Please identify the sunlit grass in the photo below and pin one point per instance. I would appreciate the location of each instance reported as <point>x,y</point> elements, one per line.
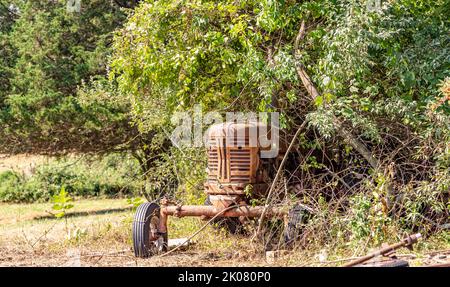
<point>104,226</point>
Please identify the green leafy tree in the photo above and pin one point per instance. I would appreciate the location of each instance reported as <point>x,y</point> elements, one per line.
<point>377,71</point>
<point>8,16</point>
<point>53,55</point>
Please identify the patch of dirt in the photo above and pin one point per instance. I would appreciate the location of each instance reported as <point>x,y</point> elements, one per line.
<point>21,163</point>
<point>76,257</point>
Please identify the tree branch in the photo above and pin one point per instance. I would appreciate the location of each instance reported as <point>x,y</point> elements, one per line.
<point>314,93</point>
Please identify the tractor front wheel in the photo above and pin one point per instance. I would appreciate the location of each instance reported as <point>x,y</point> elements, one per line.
<point>147,241</point>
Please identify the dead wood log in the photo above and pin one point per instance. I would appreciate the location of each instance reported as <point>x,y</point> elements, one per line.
<point>314,93</point>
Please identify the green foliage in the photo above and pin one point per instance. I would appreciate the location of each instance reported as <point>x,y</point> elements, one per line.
<point>62,202</point>
<point>368,219</point>
<point>370,64</point>
<point>176,174</point>
<point>427,206</point>
<point>359,222</point>
<point>114,175</point>
<point>47,53</point>
<point>383,73</point>
<point>385,63</point>
<point>135,202</point>
<point>173,54</point>
<point>378,71</point>
<point>8,188</point>
<point>7,53</point>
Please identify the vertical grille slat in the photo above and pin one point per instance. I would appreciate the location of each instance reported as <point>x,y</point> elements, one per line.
<point>231,159</point>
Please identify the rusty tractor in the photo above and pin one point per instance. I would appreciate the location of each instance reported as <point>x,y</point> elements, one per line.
<point>237,173</point>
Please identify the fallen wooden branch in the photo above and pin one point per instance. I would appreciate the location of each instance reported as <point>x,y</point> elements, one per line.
<point>406,242</point>
<point>439,265</point>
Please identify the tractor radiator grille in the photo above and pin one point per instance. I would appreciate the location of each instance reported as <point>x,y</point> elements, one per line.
<point>230,165</point>
<point>213,164</point>
<point>240,162</point>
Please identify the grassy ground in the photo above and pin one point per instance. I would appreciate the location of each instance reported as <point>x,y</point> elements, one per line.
<point>97,233</point>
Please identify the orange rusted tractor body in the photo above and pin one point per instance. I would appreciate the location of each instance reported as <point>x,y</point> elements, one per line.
<point>235,167</point>
<point>236,174</point>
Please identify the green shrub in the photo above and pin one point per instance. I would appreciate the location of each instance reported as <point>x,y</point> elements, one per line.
<point>9,185</point>
<point>82,177</point>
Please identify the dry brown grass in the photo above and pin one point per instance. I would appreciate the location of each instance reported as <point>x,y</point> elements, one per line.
<point>98,233</point>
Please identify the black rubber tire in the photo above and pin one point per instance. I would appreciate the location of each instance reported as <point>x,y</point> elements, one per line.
<point>231,224</point>
<point>396,263</point>
<point>297,216</point>
<point>142,245</point>
<point>389,263</point>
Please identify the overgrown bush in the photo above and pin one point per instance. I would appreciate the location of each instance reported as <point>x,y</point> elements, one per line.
<point>9,181</point>
<point>381,74</point>
<point>113,175</point>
